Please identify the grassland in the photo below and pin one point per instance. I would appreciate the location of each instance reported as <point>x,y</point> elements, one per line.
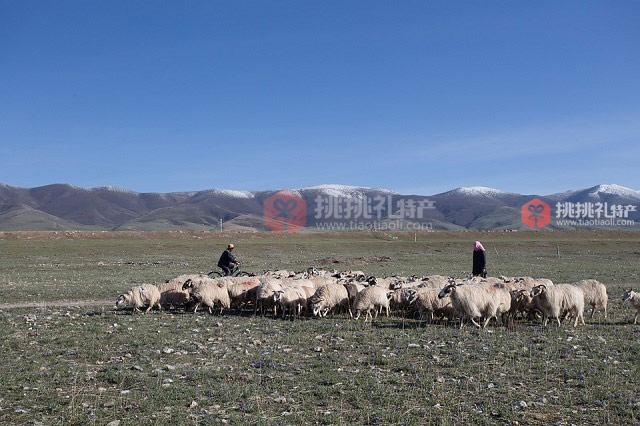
<point>93,365</point>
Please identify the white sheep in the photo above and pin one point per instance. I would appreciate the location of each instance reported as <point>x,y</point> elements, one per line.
<point>390,283</point>
<point>242,290</point>
<point>595,295</point>
<point>291,300</point>
<point>435,281</point>
<point>357,275</point>
<point>521,303</point>
<point>329,297</point>
<point>477,301</point>
<point>208,292</point>
<point>353,288</point>
<point>400,299</point>
<point>557,300</point>
<point>264,294</point>
<point>633,298</point>
<point>320,272</point>
<point>171,293</point>
<point>140,296</point>
<point>280,273</point>
<point>371,299</point>
<point>426,300</point>
<point>319,281</point>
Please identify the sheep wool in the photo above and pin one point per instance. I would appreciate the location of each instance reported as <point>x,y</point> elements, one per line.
<point>595,295</point>
<point>370,299</point>
<point>329,297</point>
<point>140,296</point>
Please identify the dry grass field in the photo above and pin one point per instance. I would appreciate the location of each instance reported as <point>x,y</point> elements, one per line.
<point>69,358</point>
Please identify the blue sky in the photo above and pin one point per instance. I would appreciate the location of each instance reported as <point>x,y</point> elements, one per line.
<point>415,96</point>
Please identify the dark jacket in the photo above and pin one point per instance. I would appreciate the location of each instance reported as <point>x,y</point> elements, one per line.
<point>479,262</point>
<point>226,259</point>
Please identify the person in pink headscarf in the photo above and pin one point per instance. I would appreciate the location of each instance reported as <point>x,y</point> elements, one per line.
<point>479,260</point>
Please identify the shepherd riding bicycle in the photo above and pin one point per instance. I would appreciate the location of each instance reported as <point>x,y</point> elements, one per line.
<point>229,265</point>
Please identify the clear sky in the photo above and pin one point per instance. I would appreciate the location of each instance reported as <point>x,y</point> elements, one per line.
<point>415,96</point>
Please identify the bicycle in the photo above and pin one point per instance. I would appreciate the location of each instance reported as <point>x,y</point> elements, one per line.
<point>235,272</point>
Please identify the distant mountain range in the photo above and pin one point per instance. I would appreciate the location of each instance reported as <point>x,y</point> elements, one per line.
<point>67,207</point>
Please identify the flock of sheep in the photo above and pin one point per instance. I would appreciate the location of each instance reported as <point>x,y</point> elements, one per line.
<point>319,293</point>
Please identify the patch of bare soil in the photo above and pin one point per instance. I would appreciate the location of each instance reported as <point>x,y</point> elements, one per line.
<point>56,304</point>
<point>361,259</point>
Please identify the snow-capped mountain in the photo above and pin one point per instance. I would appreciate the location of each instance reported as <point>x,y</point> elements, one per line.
<point>346,191</point>
<point>62,206</point>
<point>603,192</point>
<point>477,191</point>
<point>613,189</point>
<point>232,193</point>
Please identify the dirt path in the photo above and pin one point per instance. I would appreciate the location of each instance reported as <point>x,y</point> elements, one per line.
<point>56,304</point>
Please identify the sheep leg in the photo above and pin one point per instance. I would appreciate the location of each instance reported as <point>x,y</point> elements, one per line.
<point>149,308</point>
<point>195,308</point>
<point>461,322</point>
<point>387,311</point>
<point>635,319</point>
<point>593,310</point>
<point>559,322</point>
<point>487,322</point>
<point>210,310</point>
<point>357,315</point>
<point>474,322</point>
<point>350,312</point>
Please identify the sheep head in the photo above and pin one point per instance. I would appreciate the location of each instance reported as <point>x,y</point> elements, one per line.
<point>396,285</point>
<point>538,290</point>
<point>412,296</point>
<point>188,284</point>
<point>315,309</point>
<point>372,280</point>
<point>277,296</point>
<point>123,299</point>
<point>343,281</point>
<point>521,296</point>
<point>447,290</point>
<point>628,295</point>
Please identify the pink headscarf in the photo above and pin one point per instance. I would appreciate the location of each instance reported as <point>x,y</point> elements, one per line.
<point>478,246</point>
